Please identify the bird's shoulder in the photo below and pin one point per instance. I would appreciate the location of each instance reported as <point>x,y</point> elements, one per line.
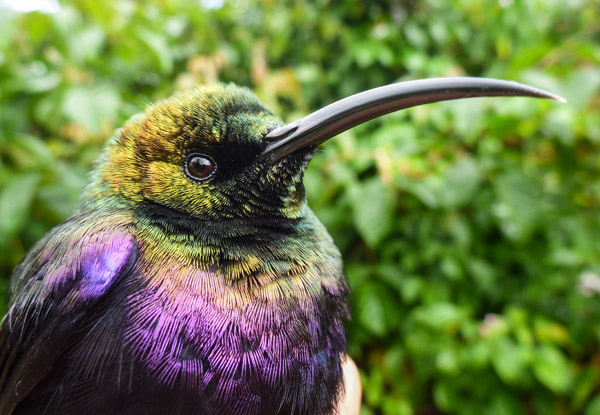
<point>82,256</point>
<point>53,288</point>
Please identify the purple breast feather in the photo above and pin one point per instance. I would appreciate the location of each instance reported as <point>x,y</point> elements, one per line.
<point>187,335</point>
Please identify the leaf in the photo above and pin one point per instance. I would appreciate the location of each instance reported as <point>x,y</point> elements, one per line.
<point>373,207</point>
<point>444,395</point>
<point>15,201</point>
<point>550,331</point>
<point>510,360</point>
<point>159,48</point>
<point>552,369</point>
<point>397,406</point>
<point>375,308</point>
<point>594,407</point>
<point>460,183</point>
<point>447,361</point>
<point>469,117</point>
<point>374,387</point>
<point>91,106</point>
<point>581,87</point>
<point>427,191</point>
<point>587,382</point>
<point>86,43</point>
<point>41,83</point>
<point>503,403</point>
<point>440,316</point>
<point>520,207</point>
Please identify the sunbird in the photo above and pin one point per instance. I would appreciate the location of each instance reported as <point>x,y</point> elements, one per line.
<point>193,278</point>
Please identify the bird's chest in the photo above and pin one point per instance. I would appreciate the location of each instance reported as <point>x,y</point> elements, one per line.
<point>247,345</point>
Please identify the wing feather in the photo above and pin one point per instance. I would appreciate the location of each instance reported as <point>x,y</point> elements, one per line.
<point>54,287</point>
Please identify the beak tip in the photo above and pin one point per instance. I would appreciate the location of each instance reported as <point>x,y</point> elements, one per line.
<point>559,99</point>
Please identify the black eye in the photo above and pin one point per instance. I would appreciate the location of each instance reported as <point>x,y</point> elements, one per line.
<point>200,166</point>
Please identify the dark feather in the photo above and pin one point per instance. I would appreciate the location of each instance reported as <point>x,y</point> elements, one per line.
<point>55,287</point>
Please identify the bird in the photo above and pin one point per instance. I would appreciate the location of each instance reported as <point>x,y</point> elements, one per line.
<point>193,278</point>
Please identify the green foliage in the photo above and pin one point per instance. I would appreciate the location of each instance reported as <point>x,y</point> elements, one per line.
<point>470,229</point>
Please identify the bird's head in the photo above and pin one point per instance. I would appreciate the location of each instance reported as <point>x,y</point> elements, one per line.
<point>218,153</point>
<point>199,153</point>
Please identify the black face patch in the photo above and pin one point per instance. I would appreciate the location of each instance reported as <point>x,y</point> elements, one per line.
<point>230,160</point>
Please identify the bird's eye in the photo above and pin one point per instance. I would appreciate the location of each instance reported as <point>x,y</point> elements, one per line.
<point>200,166</point>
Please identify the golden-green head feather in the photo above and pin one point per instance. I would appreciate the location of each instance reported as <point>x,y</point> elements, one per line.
<point>147,160</point>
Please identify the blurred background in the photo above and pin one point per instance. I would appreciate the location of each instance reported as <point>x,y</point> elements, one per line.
<point>470,229</point>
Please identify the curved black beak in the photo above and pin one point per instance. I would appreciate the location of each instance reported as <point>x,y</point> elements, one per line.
<point>346,113</point>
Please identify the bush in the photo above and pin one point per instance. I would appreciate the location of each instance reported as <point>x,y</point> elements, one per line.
<point>473,239</point>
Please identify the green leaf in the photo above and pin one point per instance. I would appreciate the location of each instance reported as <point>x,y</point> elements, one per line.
<point>581,87</point>
<point>428,191</point>
<point>503,403</point>
<point>374,387</point>
<point>594,407</point>
<point>158,46</point>
<point>91,106</point>
<point>375,308</point>
<point>373,208</point>
<point>444,395</point>
<point>397,406</point>
<point>587,382</point>
<point>510,360</point>
<point>440,316</point>
<point>15,201</point>
<point>460,183</point>
<point>447,361</point>
<point>86,43</point>
<point>552,369</point>
<point>520,207</point>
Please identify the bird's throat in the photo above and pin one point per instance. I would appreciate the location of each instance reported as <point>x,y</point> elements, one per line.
<point>248,252</point>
